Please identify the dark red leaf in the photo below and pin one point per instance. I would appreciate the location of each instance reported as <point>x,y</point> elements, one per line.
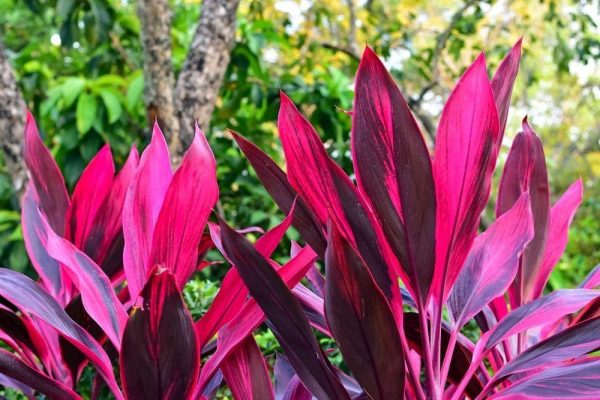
<point>287,320</point>
<point>276,183</point>
<point>160,355</point>
<point>362,322</point>
<point>393,169</point>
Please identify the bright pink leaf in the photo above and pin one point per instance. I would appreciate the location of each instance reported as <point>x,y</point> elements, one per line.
<point>462,168</point>
<point>193,190</point>
<point>105,237</point>
<point>329,192</point>
<point>98,296</point>
<point>89,194</point>
<point>142,206</point>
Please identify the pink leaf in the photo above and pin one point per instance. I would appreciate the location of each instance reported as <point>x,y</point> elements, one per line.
<point>502,85</point>
<point>561,216</point>
<point>188,202</point>
<point>46,177</point>
<point>142,205</point>
<point>105,236</point>
<point>462,167</point>
<point>525,170</point>
<point>329,192</point>
<point>97,293</point>
<point>90,192</point>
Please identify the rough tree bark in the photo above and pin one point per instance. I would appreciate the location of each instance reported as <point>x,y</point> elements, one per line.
<point>202,76</point>
<point>12,121</point>
<point>159,79</point>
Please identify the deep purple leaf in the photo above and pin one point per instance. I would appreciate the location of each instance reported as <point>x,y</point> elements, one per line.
<point>362,322</point>
<point>276,183</point>
<point>287,321</point>
<point>16,369</point>
<point>492,262</point>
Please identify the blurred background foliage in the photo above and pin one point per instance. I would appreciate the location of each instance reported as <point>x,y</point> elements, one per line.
<point>78,64</point>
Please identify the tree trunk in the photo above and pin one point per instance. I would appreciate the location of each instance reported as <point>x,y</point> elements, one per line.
<point>202,75</point>
<point>12,124</point>
<point>159,80</point>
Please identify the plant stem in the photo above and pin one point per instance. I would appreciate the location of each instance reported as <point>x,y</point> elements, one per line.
<point>448,356</point>
<point>413,372</point>
<point>428,360</point>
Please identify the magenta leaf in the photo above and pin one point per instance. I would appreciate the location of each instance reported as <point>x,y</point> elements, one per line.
<point>31,298</point>
<point>569,382</point>
<point>188,203</point>
<point>393,169</point>
<point>89,194</point>
<point>160,358</point>
<point>142,205</point>
<point>492,262</point>
<point>502,85</point>
<point>525,170</point>
<point>286,319</point>
<point>276,183</point>
<point>462,168</point>
<point>46,177</point>
<point>561,216</point>
<point>105,238</point>
<point>362,322</point>
<point>329,192</point>
<point>246,372</point>
<point>14,368</point>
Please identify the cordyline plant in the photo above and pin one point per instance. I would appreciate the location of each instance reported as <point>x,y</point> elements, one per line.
<point>405,266</point>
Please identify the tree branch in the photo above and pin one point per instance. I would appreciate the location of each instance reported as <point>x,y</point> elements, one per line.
<point>198,84</point>
<point>159,80</point>
<point>12,123</point>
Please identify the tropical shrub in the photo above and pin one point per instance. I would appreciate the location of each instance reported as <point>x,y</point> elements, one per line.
<point>406,268</point>
<point>415,218</point>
